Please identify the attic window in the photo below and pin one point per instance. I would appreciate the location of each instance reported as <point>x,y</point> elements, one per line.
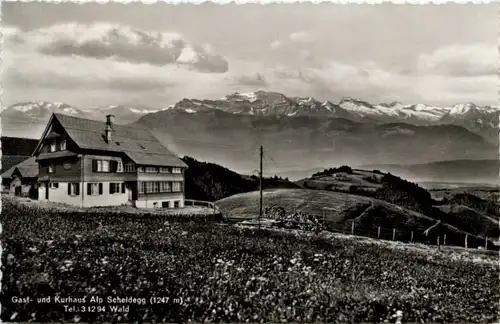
<point>142,146</point>
<point>117,143</point>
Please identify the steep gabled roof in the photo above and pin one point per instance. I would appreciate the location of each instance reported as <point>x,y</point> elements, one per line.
<point>8,161</point>
<point>28,169</point>
<point>136,142</point>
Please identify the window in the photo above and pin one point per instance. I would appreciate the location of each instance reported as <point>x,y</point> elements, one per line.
<point>176,170</point>
<point>119,166</point>
<point>101,165</point>
<point>165,170</point>
<point>140,169</point>
<point>67,166</point>
<point>151,169</point>
<point>52,168</point>
<point>53,185</point>
<point>73,189</point>
<point>52,146</point>
<point>114,188</point>
<point>155,204</point>
<point>165,186</point>
<point>129,167</point>
<point>94,189</point>
<point>176,204</point>
<point>162,186</point>
<point>176,186</point>
<point>63,144</point>
<point>165,204</point>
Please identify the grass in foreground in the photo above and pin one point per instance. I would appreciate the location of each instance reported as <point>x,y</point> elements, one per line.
<point>223,273</point>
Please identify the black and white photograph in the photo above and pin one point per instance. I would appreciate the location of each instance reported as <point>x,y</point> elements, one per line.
<point>249,163</point>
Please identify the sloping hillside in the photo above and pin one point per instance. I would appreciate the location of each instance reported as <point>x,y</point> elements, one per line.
<point>374,184</point>
<point>340,209</point>
<point>479,218</point>
<point>478,222</point>
<point>209,181</point>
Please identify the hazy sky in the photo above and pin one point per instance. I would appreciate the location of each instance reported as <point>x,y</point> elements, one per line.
<point>155,55</point>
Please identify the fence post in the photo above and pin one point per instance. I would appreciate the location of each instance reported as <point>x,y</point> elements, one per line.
<point>411,239</point>
<point>393,234</point>
<point>466,237</point>
<point>378,232</point>
<point>438,242</point>
<point>352,228</point>
<point>444,239</point>
<point>486,243</point>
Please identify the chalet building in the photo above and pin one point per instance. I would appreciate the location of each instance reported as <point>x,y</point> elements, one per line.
<point>21,179</point>
<point>89,163</point>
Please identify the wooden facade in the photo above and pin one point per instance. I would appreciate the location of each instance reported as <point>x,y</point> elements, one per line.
<point>88,177</point>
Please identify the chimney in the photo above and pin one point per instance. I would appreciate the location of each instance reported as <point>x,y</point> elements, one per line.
<point>109,127</point>
<point>110,119</point>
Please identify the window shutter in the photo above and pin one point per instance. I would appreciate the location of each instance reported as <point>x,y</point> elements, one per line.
<point>69,189</point>
<point>100,188</point>
<point>77,189</point>
<point>110,188</point>
<point>94,165</point>
<point>123,187</point>
<point>89,189</point>
<point>113,166</point>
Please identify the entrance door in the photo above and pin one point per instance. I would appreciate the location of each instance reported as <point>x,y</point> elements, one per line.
<point>47,190</point>
<point>132,185</point>
<point>176,204</point>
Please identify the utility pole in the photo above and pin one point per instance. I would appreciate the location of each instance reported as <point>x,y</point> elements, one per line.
<point>260,183</point>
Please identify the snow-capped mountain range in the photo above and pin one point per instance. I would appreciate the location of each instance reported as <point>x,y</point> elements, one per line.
<point>480,119</point>
<point>271,103</point>
<point>41,111</point>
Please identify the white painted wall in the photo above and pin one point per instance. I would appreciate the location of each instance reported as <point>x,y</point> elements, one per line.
<point>106,199</point>
<point>16,182</point>
<point>41,191</point>
<point>149,203</point>
<point>60,195</point>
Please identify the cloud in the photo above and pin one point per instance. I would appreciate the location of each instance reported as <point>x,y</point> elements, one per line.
<point>253,80</point>
<point>91,77</point>
<point>122,44</point>
<point>276,44</point>
<point>292,40</point>
<point>461,60</point>
<point>301,37</point>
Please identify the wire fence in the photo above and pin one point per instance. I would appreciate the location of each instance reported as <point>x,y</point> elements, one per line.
<point>436,235</point>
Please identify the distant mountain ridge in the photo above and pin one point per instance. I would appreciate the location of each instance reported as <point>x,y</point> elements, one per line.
<point>482,120</point>
<point>299,133</point>
<point>305,142</point>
